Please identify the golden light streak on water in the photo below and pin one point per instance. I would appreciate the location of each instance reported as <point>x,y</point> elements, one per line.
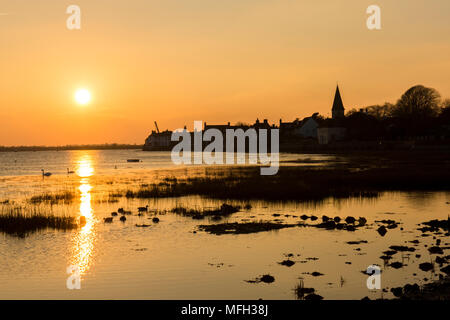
<point>84,240</point>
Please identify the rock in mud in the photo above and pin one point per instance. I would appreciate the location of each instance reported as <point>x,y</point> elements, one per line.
<point>402,248</point>
<point>441,260</point>
<point>397,292</point>
<point>350,220</point>
<point>287,263</point>
<point>446,270</point>
<point>313,296</point>
<point>435,250</point>
<point>382,231</point>
<point>267,278</point>
<point>426,266</point>
<point>396,265</point>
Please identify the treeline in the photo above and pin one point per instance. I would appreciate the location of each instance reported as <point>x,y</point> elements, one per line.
<point>106,146</point>
<point>420,112</point>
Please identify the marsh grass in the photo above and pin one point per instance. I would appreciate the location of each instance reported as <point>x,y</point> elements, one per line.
<point>244,228</point>
<point>359,179</point>
<point>300,290</point>
<point>53,198</point>
<point>223,211</point>
<point>20,221</point>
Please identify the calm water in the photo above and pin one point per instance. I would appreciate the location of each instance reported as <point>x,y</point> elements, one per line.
<point>169,261</point>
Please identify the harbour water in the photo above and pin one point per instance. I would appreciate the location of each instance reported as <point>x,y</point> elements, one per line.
<point>173,259</point>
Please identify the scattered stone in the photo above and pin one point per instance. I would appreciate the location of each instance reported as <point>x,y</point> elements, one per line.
<point>267,278</point>
<point>357,242</point>
<point>313,296</point>
<point>426,266</point>
<point>362,221</point>
<point>287,263</point>
<point>396,265</point>
<point>108,220</point>
<point>390,252</point>
<point>316,274</point>
<point>435,250</point>
<point>402,248</point>
<point>446,270</point>
<point>397,292</point>
<point>382,231</point>
<point>441,260</point>
<point>350,220</point>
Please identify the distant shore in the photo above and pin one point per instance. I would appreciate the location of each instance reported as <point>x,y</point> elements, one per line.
<point>113,146</point>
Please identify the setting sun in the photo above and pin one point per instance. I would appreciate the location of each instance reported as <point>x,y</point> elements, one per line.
<point>82,96</point>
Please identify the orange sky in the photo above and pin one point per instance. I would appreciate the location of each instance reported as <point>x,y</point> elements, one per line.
<point>176,61</point>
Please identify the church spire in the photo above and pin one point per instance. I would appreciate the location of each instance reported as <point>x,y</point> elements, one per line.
<point>338,107</point>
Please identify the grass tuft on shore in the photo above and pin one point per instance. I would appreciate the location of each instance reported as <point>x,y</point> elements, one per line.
<point>17,222</point>
<point>53,198</point>
<point>223,211</point>
<point>244,228</point>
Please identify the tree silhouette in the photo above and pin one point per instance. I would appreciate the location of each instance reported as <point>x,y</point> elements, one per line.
<point>417,103</point>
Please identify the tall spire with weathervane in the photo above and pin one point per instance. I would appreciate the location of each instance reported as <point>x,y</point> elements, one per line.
<point>338,107</point>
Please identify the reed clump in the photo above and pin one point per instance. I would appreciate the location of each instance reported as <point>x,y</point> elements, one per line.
<point>217,213</point>
<point>53,198</point>
<point>21,222</point>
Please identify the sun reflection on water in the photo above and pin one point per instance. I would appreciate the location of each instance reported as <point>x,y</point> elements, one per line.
<point>83,241</point>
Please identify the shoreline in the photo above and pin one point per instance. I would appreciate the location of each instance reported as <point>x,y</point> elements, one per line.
<point>112,146</point>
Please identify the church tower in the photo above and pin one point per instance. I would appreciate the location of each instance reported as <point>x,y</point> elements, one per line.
<point>338,107</point>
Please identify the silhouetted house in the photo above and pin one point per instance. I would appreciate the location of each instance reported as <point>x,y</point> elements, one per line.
<point>363,127</point>
<point>262,125</point>
<point>338,109</point>
<point>158,141</point>
<point>221,127</point>
<point>306,128</point>
<point>329,134</point>
<point>288,129</point>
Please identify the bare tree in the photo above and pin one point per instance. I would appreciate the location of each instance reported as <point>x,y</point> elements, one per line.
<point>417,103</point>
